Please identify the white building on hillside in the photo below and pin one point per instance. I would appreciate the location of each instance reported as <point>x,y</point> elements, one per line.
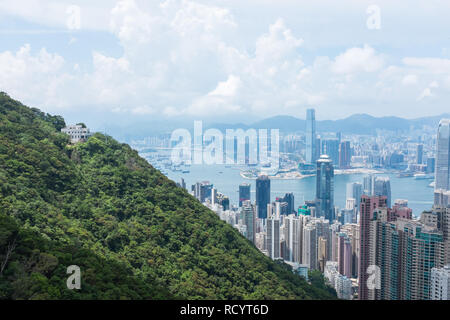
<point>77,133</point>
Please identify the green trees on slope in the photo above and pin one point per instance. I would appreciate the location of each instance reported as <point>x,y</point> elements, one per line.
<point>99,199</point>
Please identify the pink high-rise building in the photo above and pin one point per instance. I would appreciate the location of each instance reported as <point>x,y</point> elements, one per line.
<point>367,206</point>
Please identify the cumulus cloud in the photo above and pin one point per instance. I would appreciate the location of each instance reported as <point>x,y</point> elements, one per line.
<point>409,79</point>
<point>187,58</point>
<point>354,60</point>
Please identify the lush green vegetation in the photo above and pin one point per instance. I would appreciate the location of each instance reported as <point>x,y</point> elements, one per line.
<point>130,229</point>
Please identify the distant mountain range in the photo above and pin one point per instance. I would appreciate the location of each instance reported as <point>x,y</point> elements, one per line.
<point>356,124</point>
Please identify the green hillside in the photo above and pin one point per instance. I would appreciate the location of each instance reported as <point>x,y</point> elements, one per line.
<point>133,232</point>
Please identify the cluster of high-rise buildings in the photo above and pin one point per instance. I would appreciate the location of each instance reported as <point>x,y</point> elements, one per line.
<point>373,249</point>
<point>337,150</point>
<point>442,175</point>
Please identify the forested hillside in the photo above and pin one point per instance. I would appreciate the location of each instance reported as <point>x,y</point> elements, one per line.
<point>132,231</point>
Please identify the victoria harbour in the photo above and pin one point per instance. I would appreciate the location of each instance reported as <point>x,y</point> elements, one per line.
<point>227,179</point>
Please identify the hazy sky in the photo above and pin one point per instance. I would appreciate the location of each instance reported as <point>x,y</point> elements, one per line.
<point>227,60</point>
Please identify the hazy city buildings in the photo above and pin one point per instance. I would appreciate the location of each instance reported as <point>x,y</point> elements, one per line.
<point>345,155</point>
<point>354,191</point>
<point>382,187</point>
<point>419,153</point>
<point>330,147</point>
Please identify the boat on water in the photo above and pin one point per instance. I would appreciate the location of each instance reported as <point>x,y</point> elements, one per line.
<point>423,176</point>
<point>405,175</point>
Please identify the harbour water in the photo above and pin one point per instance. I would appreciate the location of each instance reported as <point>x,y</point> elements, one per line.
<point>227,179</point>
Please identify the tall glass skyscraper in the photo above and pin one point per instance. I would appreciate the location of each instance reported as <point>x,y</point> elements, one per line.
<point>244,193</point>
<point>310,136</point>
<point>325,188</point>
<point>262,195</point>
<point>443,156</point>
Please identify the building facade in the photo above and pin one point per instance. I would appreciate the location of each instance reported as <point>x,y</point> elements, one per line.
<point>325,188</point>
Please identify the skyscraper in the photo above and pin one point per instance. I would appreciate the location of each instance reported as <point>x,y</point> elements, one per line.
<point>293,235</point>
<point>443,156</point>
<point>289,200</point>
<point>262,195</point>
<point>431,164</point>
<point>355,191</point>
<point>368,185</point>
<point>309,251</point>
<point>367,207</point>
<point>382,187</point>
<point>248,216</point>
<point>330,147</point>
<point>310,136</point>
<point>273,238</point>
<point>344,255</point>
<point>419,154</point>
<point>244,193</point>
<point>325,188</point>
<point>345,154</point>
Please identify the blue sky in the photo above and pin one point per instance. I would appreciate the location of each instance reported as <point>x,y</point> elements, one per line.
<point>226,60</point>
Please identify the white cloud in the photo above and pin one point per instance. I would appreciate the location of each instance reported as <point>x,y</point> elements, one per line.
<point>410,79</point>
<point>358,60</point>
<point>434,65</point>
<point>426,93</point>
<point>143,110</point>
<point>227,88</point>
<point>203,59</point>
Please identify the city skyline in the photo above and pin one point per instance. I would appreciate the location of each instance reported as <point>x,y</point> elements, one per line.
<point>224,150</point>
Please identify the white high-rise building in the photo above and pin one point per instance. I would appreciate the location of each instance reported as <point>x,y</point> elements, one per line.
<point>293,236</point>
<point>311,136</point>
<point>248,217</point>
<point>273,238</point>
<point>442,174</point>
<point>309,250</point>
<point>440,283</point>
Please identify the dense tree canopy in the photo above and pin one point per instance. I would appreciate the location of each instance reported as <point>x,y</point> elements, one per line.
<point>131,230</point>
